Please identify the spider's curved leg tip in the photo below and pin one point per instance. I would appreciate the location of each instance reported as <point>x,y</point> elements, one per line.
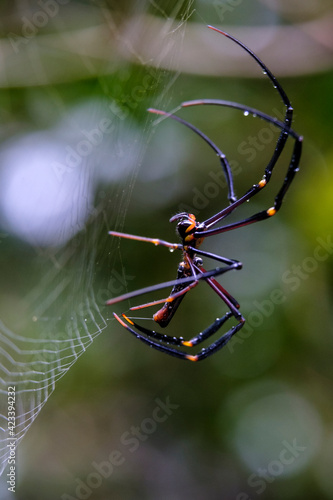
<point>217,29</point>
<point>127,319</point>
<point>121,321</point>
<point>156,111</point>
<point>189,357</point>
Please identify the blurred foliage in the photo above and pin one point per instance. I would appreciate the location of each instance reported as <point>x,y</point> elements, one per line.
<point>237,415</point>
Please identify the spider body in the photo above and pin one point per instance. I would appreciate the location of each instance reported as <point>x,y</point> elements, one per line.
<point>186,227</point>
<point>164,315</point>
<point>192,233</point>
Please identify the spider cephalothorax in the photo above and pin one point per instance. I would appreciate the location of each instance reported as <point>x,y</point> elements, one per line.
<point>192,233</point>
<point>188,228</point>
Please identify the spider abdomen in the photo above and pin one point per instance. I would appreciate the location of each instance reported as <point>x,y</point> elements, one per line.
<point>164,315</point>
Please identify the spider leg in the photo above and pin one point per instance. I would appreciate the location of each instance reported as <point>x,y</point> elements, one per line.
<point>189,279</point>
<point>223,159</point>
<point>155,241</point>
<point>169,299</point>
<point>263,66</point>
<point>231,265</point>
<point>286,131</point>
<point>190,270</point>
<point>185,269</point>
<point>235,263</point>
<point>180,280</point>
<point>229,300</point>
<point>264,214</point>
<point>204,353</point>
<point>211,330</point>
<point>179,288</point>
<point>218,344</point>
<point>151,336</point>
<point>256,113</point>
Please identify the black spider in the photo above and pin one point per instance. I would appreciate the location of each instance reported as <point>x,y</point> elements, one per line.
<point>192,233</point>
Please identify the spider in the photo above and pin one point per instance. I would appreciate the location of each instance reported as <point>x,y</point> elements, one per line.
<point>192,233</point>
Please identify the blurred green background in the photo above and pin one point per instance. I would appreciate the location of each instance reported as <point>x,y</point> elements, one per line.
<point>80,156</point>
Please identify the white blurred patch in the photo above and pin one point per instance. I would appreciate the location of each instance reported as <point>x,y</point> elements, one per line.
<point>35,203</point>
<point>48,179</point>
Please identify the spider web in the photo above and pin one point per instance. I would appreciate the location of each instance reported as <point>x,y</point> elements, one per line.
<point>59,317</point>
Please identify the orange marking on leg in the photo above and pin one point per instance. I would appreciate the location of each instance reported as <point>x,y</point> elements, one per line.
<point>167,300</point>
<point>187,343</point>
<point>149,304</point>
<point>262,183</point>
<point>120,320</point>
<point>271,211</point>
<point>192,358</point>
<point>127,319</point>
